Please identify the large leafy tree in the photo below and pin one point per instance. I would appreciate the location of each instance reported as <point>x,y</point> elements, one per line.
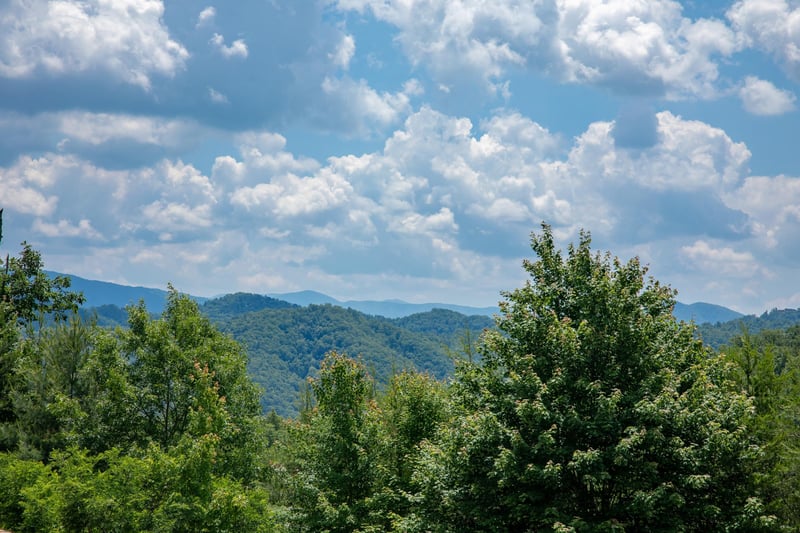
<point>592,409</point>
<point>165,356</point>
<point>27,296</point>
<point>336,450</point>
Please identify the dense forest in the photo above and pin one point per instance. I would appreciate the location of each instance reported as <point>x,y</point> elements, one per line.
<point>585,407</point>
<point>286,343</point>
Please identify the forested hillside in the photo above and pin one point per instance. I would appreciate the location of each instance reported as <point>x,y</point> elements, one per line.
<point>285,346</point>
<point>720,333</point>
<point>285,343</point>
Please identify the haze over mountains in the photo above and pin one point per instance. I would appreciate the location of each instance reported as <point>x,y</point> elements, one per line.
<point>99,293</point>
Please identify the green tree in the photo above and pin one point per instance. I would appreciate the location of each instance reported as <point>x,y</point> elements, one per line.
<point>165,358</point>
<point>336,466</point>
<point>407,414</point>
<point>27,296</point>
<point>768,369</point>
<point>591,410</point>
<point>50,390</point>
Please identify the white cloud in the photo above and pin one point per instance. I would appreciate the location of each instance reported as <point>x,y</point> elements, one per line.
<point>724,260</point>
<point>217,97</point>
<point>101,128</point>
<point>773,204</point>
<point>413,87</point>
<point>361,106</point>
<point>441,221</point>
<point>64,228</point>
<point>292,196</point>
<point>772,26</point>
<point>761,97</point>
<point>238,48</point>
<point>443,202</point>
<point>263,155</point>
<point>206,16</point>
<point>126,38</point>
<point>630,46</point>
<point>690,156</point>
<point>168,217</point>
<point>344,52</point>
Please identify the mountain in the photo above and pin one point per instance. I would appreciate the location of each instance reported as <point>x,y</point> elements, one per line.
<point>307,298</point>
<point>386,308</point>
<point>721,333</point>
<point>285,346</point>
<point>99,293</point>
<point>285,342</point>
<point>702,313</point>
<point>239,303</point>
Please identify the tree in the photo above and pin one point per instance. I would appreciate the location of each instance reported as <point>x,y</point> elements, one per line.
<point>768,369</point>
<point>31,293</point>
<point>337,456</point>
<point>591,409</point>
<point>27,296</point>
<point>167,357</point>
<point>408,413</point>
<point>50,389</point>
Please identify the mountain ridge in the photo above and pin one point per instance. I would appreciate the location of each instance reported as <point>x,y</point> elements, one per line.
<point>99,293</point>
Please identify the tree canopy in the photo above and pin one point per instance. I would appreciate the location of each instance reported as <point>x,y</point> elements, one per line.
<point>592,409</point>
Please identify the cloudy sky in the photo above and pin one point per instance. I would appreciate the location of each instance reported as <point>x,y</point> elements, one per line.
<point>375,149</point>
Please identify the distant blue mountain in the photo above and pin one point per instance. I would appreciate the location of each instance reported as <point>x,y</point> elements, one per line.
<point>703,313</point>
<point>306,298</point>
<point>99,293</point>
<point>384,308</point>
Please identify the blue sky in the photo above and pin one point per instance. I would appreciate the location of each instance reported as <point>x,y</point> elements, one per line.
<point>375,149</point>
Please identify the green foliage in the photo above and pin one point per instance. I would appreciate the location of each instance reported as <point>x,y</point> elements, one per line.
<point>50,389</point>
<point>31,293</point>
<point>15,475</point>
<point>153,428</point>
<point>286,346</point>
<point>592,409</point>
<point>239,303</point>
<point>27,296</point>
<point>768,369</point>
<point>720,334</point>
<point>338,466</point>
<point>588,408</point>
<point>352,458</point>
<point>158,490</point>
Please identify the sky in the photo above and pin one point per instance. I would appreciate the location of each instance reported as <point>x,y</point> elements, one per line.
<point>377,149</point>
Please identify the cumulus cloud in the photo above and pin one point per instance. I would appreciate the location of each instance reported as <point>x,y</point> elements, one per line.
<point>192,62</point>
<point>773,204</point>
<point>360,107</point>
<point>722,260</point>
<point>634,47</point>
<point>206,16</point>
<point>291,196</point>
<point>126,39</point>
<point>64,228</point>
<point>238,48</point>
<point>100,128</point>
<point>772,26</point>
<point>761,97</point>
<point>444,201</point>
<point>344,52</point>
